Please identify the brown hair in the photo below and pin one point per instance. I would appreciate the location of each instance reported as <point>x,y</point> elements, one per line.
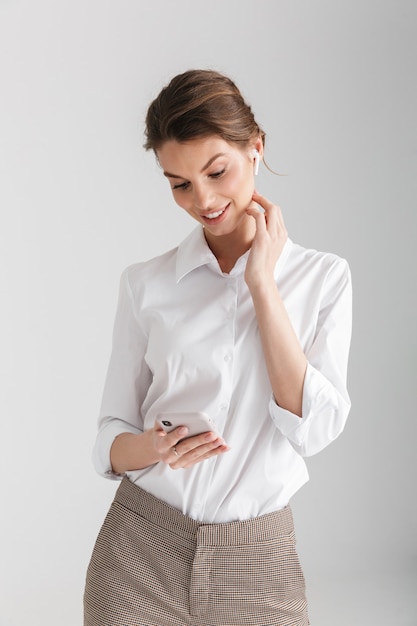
<point>199,103</point>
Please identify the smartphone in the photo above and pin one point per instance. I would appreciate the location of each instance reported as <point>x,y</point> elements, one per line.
<point>196,422</point>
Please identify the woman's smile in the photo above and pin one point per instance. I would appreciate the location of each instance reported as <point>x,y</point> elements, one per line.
<point>216,216</point>
<point>213,181</point>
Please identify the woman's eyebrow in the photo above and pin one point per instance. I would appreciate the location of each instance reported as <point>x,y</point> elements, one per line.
<point>209,162</point>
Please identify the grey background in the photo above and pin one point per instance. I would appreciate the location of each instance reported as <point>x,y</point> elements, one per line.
<point>334,85</point>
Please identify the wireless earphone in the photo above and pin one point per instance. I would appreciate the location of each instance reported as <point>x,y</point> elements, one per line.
<point>256,163</point>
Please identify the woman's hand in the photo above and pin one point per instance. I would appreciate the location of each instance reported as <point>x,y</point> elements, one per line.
<point>268,243</point>
<point>178,451</point>
<point>131,452</point>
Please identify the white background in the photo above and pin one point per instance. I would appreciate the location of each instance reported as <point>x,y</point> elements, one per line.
<point>333,83</point>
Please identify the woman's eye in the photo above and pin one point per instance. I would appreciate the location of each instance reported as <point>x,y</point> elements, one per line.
<point>218,174</point>
<point>181,186</point>
<point>186,185</point>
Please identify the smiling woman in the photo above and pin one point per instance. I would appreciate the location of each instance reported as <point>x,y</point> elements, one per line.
<point>241,324</point>
<point>214,183</point>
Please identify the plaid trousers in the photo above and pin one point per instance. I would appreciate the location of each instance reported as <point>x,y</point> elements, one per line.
<point>153,566</point>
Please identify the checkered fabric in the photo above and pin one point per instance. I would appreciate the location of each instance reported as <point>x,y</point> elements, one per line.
<point>153,566</point>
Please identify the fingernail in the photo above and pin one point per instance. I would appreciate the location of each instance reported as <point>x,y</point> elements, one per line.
<point>183,430</point>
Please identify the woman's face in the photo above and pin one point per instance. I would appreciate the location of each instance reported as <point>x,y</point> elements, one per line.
<point>213,181</point>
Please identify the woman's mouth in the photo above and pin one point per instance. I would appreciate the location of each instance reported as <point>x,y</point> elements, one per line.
<point>216,216</point>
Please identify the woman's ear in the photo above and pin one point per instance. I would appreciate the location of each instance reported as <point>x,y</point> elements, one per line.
<point>259,146</point>
<point>256,159</point>
<point>257,153</point>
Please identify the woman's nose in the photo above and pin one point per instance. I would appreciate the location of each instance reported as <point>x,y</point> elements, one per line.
<point>202,198</point>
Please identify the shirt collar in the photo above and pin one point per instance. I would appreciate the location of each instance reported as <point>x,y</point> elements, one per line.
<point>194,252</point>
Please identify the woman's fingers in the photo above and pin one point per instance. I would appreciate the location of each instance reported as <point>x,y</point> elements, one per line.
<point>179,451</point>
<point>186,457</point>
<point>272,213</point>
<point>259,217</point>
<point>268,243</point>
<point>262,201</point>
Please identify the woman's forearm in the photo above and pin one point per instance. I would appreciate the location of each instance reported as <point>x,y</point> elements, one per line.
<point>131,452</point>
<point>285,360</point>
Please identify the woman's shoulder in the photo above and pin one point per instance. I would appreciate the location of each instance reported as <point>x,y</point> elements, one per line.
<point>151,268</point>
<point>316,265</point>
<point>300,255</point>
<point>150,276</point>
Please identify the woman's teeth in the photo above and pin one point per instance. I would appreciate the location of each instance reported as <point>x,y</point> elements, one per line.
<point>212,216</point>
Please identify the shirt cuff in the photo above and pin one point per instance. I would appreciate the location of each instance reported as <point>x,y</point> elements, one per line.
<point>320,399</point>
<point>104,441</point>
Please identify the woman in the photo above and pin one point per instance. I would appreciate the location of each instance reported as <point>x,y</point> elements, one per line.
<point>239,323</point>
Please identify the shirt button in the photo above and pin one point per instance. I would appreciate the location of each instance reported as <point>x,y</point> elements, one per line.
<point>196,509</point>
<point>227,358</point>
<point>223,407</point>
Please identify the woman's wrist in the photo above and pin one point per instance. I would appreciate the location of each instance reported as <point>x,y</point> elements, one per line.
<point>131,452</point>
<point>262,289</point>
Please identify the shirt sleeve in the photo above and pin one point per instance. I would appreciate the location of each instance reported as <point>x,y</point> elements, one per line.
<point>127,381</point>
<point>326,402</point>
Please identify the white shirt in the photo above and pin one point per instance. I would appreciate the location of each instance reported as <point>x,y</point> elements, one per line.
<point>186,339</point>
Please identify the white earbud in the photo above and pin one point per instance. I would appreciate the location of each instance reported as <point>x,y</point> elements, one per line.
<point>256,162</point>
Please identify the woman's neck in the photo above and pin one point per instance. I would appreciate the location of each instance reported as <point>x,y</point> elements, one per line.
<point>229,248</point>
